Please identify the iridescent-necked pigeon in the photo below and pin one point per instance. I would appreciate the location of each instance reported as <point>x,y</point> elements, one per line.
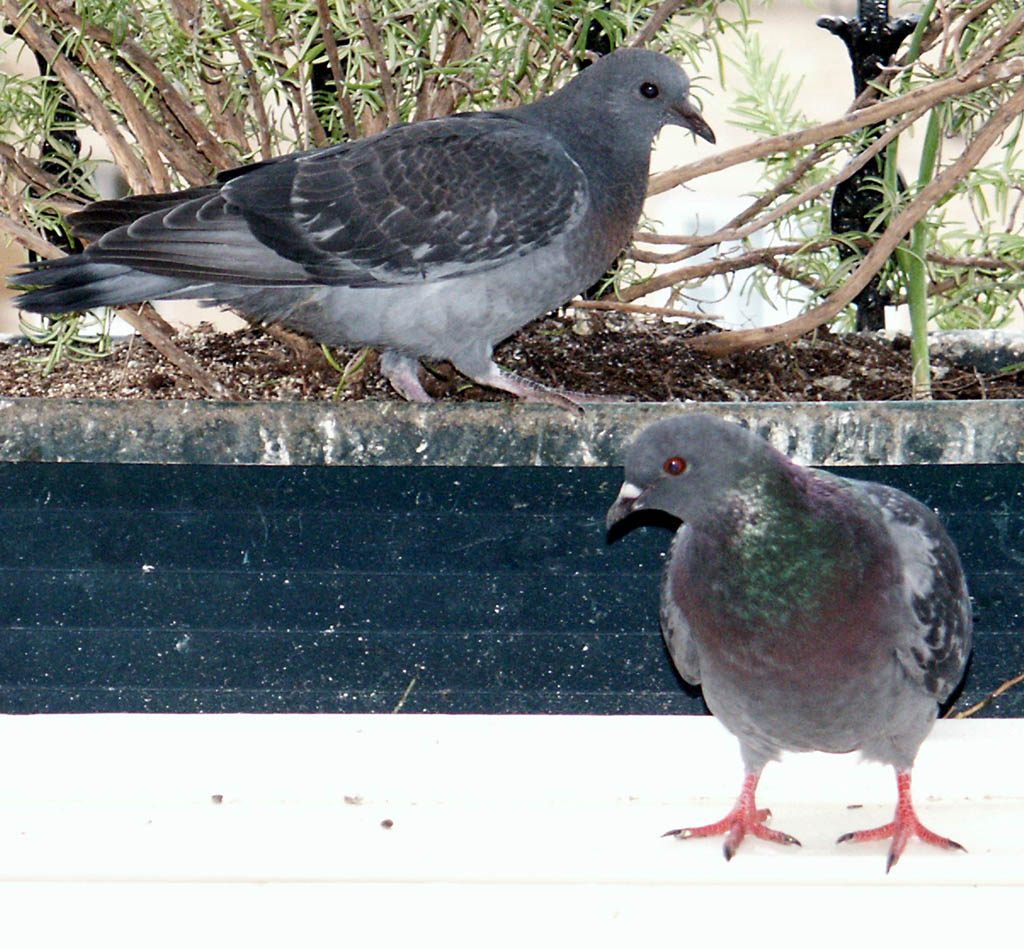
<point>817,613</point>
<point>436,239</point>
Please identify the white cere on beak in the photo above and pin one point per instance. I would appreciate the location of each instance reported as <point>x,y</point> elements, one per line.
<point>628,492</point>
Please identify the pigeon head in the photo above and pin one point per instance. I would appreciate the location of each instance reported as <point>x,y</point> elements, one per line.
<point>682,465</point>
<point>640,89</point>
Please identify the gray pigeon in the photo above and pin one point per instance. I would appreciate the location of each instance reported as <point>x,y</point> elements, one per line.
<point>436,239</point>
<point>817,613</point>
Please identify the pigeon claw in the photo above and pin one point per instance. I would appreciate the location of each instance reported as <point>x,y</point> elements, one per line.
<point>905,824</point>
<point>740,821</point>
<point>744,818</point>
<point>901,830</point>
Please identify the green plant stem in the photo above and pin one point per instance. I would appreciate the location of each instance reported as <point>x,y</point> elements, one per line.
<point>914,49</point>
<point>912,260</point>
<point>349,370</point>
<point>917,277</point>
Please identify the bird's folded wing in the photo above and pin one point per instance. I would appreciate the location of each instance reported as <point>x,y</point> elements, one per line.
<point>101,217</point>
<point>674,626</point>
<point>934,642</point>
<point>419,202</point>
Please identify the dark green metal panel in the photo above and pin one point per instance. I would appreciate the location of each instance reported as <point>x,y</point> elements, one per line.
<point>441,589</point>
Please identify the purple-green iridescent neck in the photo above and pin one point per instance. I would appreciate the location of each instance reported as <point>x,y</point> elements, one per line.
<point>780,545</point>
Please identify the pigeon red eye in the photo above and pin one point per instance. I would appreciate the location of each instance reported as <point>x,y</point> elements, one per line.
<point>649,90</point>
<point>675,466</point>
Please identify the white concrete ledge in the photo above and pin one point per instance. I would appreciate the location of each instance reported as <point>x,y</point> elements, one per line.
<point>496,823</point>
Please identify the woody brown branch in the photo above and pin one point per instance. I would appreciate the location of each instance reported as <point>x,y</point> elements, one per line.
<point>311,132</point>
<point>736,340</point>
<point>926,96</point>
<point>463,36</point>
<point>27,169</point>
<point>154,330</point>
<point>380,66</point>
<point>660,281</point>
<point>348,114</point>
<point>995,46</point>
<point>256,95</point>
<point>185,118</point>
<point>641,308</point>
<point>749,258</point>
<point>762,255</point>
<point>29,238</point>
<point>729,233</point>
<point>661,14</point>
<point>87,102</point>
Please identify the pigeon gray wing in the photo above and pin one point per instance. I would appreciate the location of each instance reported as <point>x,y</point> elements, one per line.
<point>674,626</point>
<point>101,217</point>
<point>933,646</point>
<point>417,203</point>
<point>441,199</point>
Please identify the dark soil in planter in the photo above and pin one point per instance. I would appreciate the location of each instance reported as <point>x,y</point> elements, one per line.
<point>612,355</point>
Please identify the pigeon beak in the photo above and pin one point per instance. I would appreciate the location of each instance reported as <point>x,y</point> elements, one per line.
<point>625,503</point>
<point>688,116</point>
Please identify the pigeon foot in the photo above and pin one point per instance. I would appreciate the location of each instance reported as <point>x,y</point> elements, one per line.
<point>904,825</point>
<point>403,373</point>
<point>744,818</point>
<point>530,391</point>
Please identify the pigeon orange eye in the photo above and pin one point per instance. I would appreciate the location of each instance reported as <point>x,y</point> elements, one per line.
<point>649,90</point>
<point>675,466</point>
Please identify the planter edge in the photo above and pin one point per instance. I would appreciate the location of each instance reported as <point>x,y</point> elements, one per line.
<point>488,434</point>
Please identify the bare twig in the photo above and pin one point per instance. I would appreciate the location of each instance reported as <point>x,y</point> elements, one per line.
<point>1009,31</point>
<point>796,173</point>
<point>974,263</point>
<point>139,122</point>
<point>225,121</point>
<point>536,32</point>
<point>926,96</point>
<point>734,340</point>
<point>191,125</point>
<point>29,238</point>
<point>348,114</point>
<point>566,50</point>
<point>965,19</point>
<point>387,89</point>
<point>463,35</point>
<point>1005,687</point>
<point>251,79</point>
<point>663,12</point>
<point>618,306</point>
<point>86,101</point>
<point>310,131</point>
<point>294,92</point>
<point>738,233</point>
<point>781,269</point>
<point>697,244</point>
<point>751,258</point>
<point>28,169</point>
<point>155,331</point>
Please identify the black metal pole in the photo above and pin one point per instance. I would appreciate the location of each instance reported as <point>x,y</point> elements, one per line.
<point>872,39</point>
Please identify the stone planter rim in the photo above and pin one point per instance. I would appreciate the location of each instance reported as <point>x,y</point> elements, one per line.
<point>488,434</point>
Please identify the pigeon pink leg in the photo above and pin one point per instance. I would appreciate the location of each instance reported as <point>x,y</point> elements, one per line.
<point>905,824</point>
<point>527,389</point>
<point>744,818</point>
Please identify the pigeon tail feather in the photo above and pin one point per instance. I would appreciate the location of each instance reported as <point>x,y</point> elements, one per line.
<point>69,285</point>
